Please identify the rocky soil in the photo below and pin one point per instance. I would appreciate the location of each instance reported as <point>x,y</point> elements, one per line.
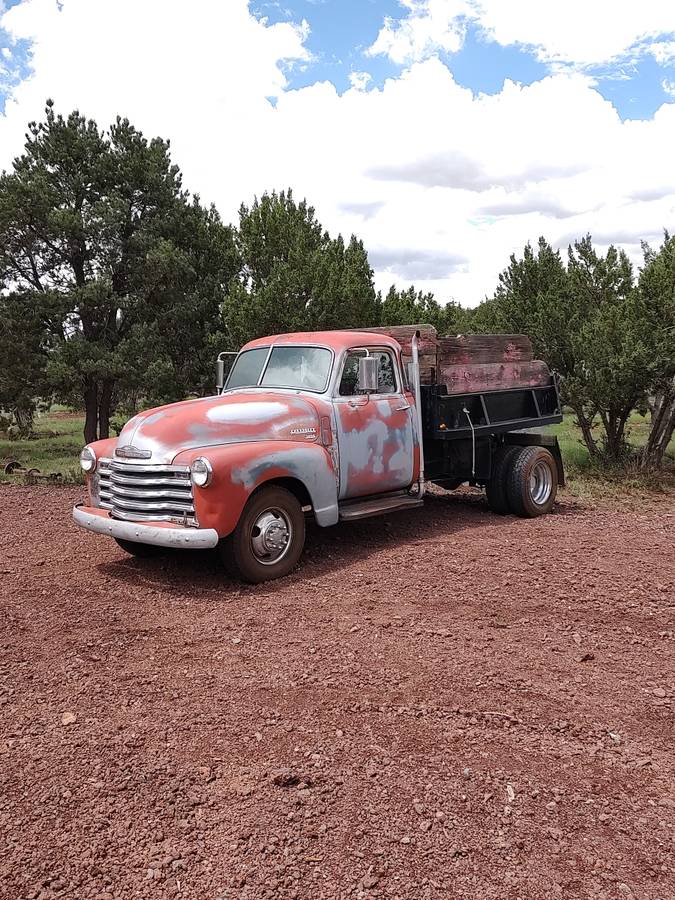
<point>440,704</point>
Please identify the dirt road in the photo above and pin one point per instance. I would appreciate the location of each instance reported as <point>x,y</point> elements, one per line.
<point>443,704</point>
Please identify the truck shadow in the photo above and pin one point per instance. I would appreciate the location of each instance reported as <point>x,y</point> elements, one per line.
<point>439,522</point>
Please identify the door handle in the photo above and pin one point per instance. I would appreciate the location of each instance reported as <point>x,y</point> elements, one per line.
<point>401,408</point>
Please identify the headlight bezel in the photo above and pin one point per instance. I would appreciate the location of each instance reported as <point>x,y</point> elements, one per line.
<point>203,476</point>
<point>87,454</point>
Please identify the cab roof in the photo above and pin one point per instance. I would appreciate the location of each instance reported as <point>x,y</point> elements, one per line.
<point>337,340</point>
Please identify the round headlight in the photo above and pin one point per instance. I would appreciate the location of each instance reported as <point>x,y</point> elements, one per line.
<point>88,460</point>
<point>201,471</point>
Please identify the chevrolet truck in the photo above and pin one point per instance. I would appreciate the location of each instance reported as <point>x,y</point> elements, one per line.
<point>331,426</point>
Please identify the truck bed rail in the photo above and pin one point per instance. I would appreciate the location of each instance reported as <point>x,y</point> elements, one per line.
<point>454,416</point>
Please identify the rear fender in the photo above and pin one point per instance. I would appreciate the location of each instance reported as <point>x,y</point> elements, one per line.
<point>239,469</point>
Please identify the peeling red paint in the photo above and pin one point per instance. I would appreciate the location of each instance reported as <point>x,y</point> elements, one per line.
<point>377,440</point>
<point>237,417</point>
<point>333,446</point>
<point>238,470</point>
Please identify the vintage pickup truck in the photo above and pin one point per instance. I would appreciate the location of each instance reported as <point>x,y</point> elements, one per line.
<point>333,426</point>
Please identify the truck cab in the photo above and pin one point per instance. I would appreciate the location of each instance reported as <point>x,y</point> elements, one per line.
<point>327,425</point>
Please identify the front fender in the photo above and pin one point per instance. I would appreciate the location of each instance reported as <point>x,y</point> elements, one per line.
<point>239,469</point>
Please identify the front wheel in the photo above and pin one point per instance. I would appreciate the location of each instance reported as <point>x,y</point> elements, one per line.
<point>269,538</point>
<point>532,482</point>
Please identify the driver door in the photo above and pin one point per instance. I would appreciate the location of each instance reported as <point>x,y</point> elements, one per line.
<point>375,431</point>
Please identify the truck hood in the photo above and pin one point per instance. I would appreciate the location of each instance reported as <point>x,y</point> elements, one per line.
<point>211,421</point>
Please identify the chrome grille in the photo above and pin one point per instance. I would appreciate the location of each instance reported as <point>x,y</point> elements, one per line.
<point>104,487</point>
<point>146,493</point>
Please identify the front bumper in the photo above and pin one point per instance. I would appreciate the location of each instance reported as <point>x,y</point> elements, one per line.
<point>98,521</point>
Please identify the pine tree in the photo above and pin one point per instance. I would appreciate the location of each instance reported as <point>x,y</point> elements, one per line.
<point>127,272</point>
<point>657,290</point>
<point>588,322</point>
<point>293,276</point>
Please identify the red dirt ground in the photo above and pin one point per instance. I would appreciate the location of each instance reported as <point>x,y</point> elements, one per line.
<point>442,704</point>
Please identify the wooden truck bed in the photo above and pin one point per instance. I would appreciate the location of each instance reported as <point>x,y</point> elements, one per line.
<point>472,363</point>
<point>478,384</point>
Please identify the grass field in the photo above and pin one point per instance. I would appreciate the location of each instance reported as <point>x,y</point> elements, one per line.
<point>59,453</point>
<point>56,453</point>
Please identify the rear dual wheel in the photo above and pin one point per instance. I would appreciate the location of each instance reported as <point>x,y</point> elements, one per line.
<point>496,486</point>
<point>524,481</point>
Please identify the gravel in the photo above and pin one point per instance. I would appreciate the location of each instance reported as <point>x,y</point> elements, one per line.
<point>445,703</point>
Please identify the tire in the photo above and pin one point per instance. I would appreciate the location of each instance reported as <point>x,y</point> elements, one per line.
<point>142,551</point>
<point>495,489</point>
<point>269,538</point>
<point>532,482</point>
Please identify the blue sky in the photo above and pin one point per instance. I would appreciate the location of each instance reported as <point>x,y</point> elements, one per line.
<point>14,68</point>
<point>342,30</point>
<point>444,133</point>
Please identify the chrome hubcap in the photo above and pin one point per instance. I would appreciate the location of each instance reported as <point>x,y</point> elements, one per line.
<point>541,483</point>
<point>271,536</point>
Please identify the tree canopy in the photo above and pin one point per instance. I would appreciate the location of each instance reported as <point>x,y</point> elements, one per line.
<point>605,333</point>
<point>123,269</point>
<point>294,276</point>
<point>118,289</point>
<point>410,306</point>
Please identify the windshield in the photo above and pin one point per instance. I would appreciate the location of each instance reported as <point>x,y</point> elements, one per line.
<point>304,368</point>
<point>247,368</point>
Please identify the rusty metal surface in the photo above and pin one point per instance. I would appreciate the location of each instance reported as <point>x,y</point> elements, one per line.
<point>376,441</point>
<point>334,340</point>
<point>333,446</point>
<point>99,522</point>
<point>236,417</point>
<point>238,469</point>
<point>32,475</point>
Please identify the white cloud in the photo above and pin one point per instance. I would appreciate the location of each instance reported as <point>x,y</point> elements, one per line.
<point>174,68</point>
<point>669,87</point>
<point>663,52</point>
<point>360,80</point>
<point>575,32</point>
<point>430,26</point>
<point>441,185</point>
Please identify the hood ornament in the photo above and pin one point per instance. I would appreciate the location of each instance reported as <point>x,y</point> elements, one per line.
<point>130,452</point>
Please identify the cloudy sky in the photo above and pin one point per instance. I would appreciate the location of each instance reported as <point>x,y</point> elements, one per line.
<point>445,133</point>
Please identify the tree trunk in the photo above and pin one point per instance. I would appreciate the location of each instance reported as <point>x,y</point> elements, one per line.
<point>623,418</point>
<point>24,419</point>
<point>585,424</point>
<point>661,431</point>
<point>90,411</point>
<point>104,405</point>
<point>614,421</point>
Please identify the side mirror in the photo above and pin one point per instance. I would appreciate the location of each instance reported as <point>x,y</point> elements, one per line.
<point>369,374</point>
<point>222,372</point>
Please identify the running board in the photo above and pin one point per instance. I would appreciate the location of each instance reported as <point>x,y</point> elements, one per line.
<point>364,509</point>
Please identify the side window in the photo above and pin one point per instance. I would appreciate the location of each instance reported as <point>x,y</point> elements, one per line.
<point>350,372</point>
<point>387,381</point>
